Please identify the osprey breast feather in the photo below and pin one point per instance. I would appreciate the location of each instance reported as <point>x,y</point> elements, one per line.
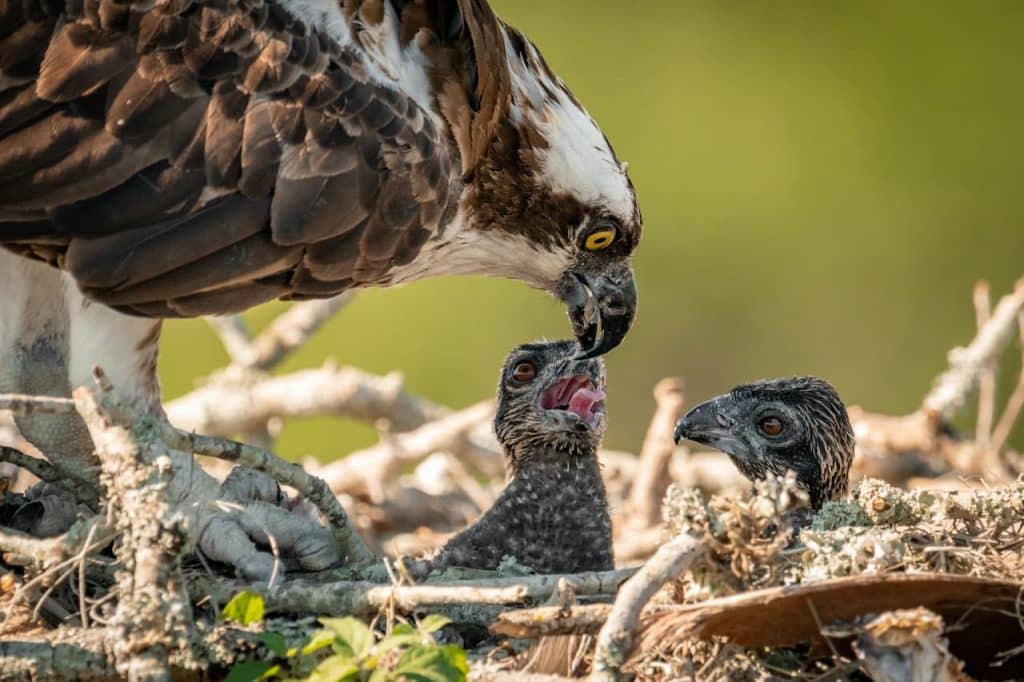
<point>189,157</point>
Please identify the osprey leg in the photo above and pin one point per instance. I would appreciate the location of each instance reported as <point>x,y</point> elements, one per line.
<point>34,354</point>
<point>51,337</point>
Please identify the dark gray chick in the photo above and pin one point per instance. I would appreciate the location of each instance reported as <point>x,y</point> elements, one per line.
<point>776,425</point>
<point>553,515</point>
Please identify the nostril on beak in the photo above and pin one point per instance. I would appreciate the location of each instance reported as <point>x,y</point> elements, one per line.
<point>724,421</point>
<point>613,304</point>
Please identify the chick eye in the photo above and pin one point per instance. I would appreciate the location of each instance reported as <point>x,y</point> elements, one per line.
<point>770,426</point>
<point>524,371</point>
<point>600,239</point>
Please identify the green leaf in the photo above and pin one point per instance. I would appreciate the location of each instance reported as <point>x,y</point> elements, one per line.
<point>433,623</point>
<point>433,664</point>
<point>274,641</point>
<point>247,671</point>
<point>397,640</point>
<point>456,656</point>
<point>351,636</point>
<point>245,607</point>
<point>380,676</point>
<point>320,640</point>
<point>335,669</point>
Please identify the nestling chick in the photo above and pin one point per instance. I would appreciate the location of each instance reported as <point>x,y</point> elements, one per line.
<point>553,515</point>
<point>777,425</point>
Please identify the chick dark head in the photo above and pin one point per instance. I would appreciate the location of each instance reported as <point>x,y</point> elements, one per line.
<point>550,398</point>
<point>777,425</point>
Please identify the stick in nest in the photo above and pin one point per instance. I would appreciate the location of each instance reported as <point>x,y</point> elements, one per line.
<point>615,640</point>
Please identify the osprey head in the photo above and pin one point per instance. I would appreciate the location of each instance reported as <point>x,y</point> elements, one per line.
<point>550,192</point>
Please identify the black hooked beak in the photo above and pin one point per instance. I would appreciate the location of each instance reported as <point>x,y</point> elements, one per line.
<point>605,303</point>
<point>705,423</point>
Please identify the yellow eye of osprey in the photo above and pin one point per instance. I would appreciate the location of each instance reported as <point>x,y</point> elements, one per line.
<point>600,239</point>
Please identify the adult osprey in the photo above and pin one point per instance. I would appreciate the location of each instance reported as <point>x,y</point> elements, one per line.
<point>194,157</point>
<point>189,157</point>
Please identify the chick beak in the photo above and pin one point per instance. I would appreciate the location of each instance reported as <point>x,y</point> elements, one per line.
<point>705,423</point>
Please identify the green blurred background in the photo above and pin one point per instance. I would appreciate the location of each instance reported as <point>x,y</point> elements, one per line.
<point>822,183</point>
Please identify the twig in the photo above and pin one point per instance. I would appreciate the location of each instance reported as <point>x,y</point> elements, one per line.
<point>153,610</point>
<point>82,558</point>
<point>53,562</point>
<point>45,553</point>
<point>652,479</point>
<point>367,471</point>
<point>615,640</point>
<point>514,676</point>
<point>292,329</point>
<point>39,468</point>
<point>82,656</point>
<point>230,404</point>
<point>987,381</point>
<point>967,364</point>
<point>44,471</point>
<point>545,621</point>
<point>25,405</point>
<point>367,598</point>
<point>234,336</point>
<point>1014,404</point>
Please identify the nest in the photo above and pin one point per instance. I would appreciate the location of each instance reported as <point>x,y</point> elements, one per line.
<point>770,539</point>
<point>755,542</point>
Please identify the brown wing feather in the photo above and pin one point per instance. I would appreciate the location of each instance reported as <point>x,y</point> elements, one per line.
<point>187,157</point>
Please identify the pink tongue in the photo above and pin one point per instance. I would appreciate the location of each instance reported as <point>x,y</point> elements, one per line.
<point>583,401</point>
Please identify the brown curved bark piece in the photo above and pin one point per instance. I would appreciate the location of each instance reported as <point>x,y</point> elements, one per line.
<point>979,611</point>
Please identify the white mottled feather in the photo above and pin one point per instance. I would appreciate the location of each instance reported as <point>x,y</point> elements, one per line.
<point>388,63</point>
<point>466,251</point>
<point>578,160</point>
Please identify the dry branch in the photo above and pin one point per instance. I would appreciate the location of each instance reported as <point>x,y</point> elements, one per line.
<point>922,438</point>
<point>1015,403</point>
<point>226,406</point>
<point>154,612</point>
<point>43,554</point>
<point>968,364</point>
<point>987,381</point>
<point>25,405</point>
<point>368,472</point>
<point>513,676</point>
<point>367,598</point>
<point>292,329</point>
<point>545,621</point>
<point>85,657</point>
<point>39,468</point>
<point>233,335</point>
<point>652,478</point>
<point>83,491</point>
<point>615,640</point>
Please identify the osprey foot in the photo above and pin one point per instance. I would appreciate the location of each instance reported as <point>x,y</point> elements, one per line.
<point>44,511</point>
<point>250,524</point>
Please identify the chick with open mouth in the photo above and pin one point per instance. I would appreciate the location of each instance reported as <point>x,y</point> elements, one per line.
<point>553,515</point>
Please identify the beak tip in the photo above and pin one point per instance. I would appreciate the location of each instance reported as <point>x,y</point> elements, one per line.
<point>602,310</point>
<point>680,432</point>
